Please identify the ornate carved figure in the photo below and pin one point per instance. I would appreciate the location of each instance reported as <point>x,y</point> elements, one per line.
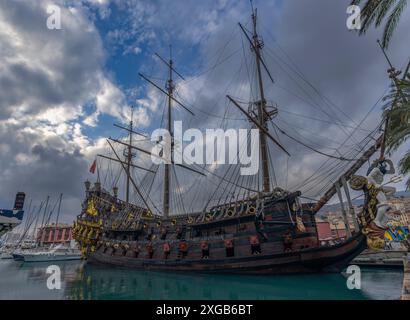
<point>377,212</point>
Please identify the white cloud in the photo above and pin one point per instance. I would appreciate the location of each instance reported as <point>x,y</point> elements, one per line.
<point>46,79</point>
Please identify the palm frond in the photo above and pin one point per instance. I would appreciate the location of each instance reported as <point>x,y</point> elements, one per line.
<point>404,167</point>
<point>383,11</point>
<point>369,13</point>
<point>392,22</point>
<point>397,108</point>
<point>377,11</point>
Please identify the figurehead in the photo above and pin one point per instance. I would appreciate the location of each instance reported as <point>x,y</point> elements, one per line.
<point>377,211</point>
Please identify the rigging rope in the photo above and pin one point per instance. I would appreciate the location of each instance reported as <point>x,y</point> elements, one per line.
<point>309,147</point>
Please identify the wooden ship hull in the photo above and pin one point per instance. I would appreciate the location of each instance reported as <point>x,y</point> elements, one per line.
<point>313,260</point>
<point>283,245</point>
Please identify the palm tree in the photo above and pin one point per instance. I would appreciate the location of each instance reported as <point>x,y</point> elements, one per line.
<point>377,11</point>
<point>397,109</point>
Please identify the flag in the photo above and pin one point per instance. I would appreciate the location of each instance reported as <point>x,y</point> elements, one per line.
<point>93,166</point>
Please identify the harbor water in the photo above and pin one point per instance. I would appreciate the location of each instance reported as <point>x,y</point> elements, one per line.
<point>80,281</point>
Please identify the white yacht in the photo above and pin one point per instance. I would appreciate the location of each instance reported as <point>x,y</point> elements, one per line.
<point>6,253</point>
<point>54,253</point>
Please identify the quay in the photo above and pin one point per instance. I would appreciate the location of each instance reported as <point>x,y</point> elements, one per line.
<point>389,259</point>
<point>406,278</point>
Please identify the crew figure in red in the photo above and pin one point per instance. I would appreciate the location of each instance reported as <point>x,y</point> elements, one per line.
<point>255,245</point>
<point>287,241</point>
<point>167,250</point>
<point>205,249</point>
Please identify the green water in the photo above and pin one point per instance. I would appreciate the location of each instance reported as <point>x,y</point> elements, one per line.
<point>81,281</point>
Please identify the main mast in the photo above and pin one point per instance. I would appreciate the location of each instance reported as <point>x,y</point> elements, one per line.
<point>129,159</point>
<point>261,107</point>
<point>167,173</point>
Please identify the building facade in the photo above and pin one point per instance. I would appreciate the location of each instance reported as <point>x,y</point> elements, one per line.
<point>62,233</point>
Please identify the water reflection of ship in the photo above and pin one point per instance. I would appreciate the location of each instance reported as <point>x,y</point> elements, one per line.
<point>69,269</point>
<point>95,282</point>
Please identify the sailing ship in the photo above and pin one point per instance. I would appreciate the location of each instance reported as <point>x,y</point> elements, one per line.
<point>247,229</point>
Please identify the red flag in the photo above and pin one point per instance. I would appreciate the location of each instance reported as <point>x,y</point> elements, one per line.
<point>93,166</point>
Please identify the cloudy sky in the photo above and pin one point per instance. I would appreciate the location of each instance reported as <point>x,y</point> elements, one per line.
<point>61,90</point>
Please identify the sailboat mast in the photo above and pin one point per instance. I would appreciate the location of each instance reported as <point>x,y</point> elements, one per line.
<point>129,159</point>
<point>261,105</point>
<point>43,221</point>
<point>167,172</point>
<point>58,216</point>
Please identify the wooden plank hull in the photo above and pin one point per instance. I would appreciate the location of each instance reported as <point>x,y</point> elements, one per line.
<point>319,259</point>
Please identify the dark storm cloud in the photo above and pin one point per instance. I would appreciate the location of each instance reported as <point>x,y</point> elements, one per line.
<point>39,166</point>
<point>59,170</point>
<point>46,76</point>
<point>44,68</point>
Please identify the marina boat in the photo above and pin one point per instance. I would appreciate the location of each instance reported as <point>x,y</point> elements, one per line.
<point>18,255</point>
<point>52,241</point>
<point>6,253</point>
<point>57,253</point>
<point>16,251</point>
<point>247,224</point>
